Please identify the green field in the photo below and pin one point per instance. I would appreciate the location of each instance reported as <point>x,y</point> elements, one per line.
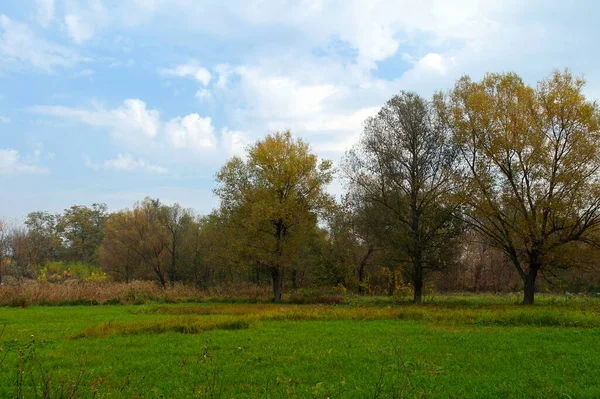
<point>457,347</point>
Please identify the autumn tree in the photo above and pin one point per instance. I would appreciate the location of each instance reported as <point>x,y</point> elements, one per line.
<point>403,166</point>
<point>351,240</point>
<point>118,254</point>
<point>530,165</point>
<point>175,222</point>
<point>5,236</point>
<point>273,197</point>
<point>136,238</point>
<point>43,239</point>
<point>82,228</point>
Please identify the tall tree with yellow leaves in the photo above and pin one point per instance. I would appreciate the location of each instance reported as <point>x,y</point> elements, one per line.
<point>530,165</point>
<point>273,198</point>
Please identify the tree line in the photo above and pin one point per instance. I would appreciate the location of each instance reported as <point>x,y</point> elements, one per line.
<point>489,185</point>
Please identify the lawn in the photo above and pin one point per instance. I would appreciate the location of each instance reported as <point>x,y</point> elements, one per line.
<point>452,347</point>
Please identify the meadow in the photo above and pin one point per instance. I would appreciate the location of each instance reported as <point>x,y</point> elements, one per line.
<point>454,346</point>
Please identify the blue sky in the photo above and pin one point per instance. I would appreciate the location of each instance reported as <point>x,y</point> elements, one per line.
<point>111,101</point>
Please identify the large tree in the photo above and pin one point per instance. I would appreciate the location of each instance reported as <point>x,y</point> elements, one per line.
<point>402,165</point>
<point>531,160</point>
<point>82,230</point>
<point>273,197</point>
<point>175,222</point>
<point>136,238</point>
<point>43,239</point>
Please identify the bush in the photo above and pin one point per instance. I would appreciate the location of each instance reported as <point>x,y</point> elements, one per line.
<point>57,272</point>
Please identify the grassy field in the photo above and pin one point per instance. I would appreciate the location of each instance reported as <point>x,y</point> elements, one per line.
<point>450,347</point>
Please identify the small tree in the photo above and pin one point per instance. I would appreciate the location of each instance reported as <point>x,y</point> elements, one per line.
<point>273,197</point>
<point>5,237</point>
<point>530,165</point>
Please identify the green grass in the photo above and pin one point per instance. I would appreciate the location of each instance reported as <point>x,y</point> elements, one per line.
<point>451,347</point>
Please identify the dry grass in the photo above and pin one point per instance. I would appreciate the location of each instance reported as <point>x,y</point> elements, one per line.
<point>505,315</point>
<point>184,325</point>
<point>196,319</point>
<point>92,293</point>
<point>136,292</point>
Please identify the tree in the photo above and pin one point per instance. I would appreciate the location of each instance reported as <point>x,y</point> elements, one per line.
<point>352,240</point>
<point>43,238</point>
<point>175,221</point>
<point>82,229</point>
<point>403,165</point>
<point>273,197</point>
<point>117,254</point>
<point>136,237</point>
<point>5,236</point>
<point>530,165</point>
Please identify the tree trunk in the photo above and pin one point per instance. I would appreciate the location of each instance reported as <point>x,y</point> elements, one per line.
<point>361,269</point>
<point>392,286</point>
<point>161,277</point>
<point>294,279</point>
<point>418,282</point>
<point>277,275</point>
<point>529,285</point>
<point>0,271</point>
<point>361,278</point>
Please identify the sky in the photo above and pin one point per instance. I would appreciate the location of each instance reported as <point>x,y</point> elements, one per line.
<point>110,101</point>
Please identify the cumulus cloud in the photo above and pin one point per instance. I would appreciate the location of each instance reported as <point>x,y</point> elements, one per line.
<point>12,163</point>
<point>234,142</point>
<point>189,70</point>
<point>20,45</point>
<point>140,127</point>
<point>191,131</point>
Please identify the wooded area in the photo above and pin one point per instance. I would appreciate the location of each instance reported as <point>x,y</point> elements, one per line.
<point>486,187</point>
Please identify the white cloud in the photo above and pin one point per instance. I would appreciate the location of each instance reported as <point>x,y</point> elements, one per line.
<point>77,29</point>
<point>140,127</point>
<point>203,95</point>
<point>20,45</point>
<point>4,119</point>
<point>318,104</point>
<point>190,70</point>
<point>83,19</point>
<point>234,142</point>
<point>135,116</point>
<point>132,122</point>
<point>45,11</point>
<point>191,131</point>
<point>375,29</point>
<point>126,162</point>
<point>12,163</point>
<point>428,66</point>
<point>223,73</point>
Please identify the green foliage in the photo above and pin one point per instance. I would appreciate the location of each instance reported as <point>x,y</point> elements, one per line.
<point>272,200</point>
<point>56,272</point>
